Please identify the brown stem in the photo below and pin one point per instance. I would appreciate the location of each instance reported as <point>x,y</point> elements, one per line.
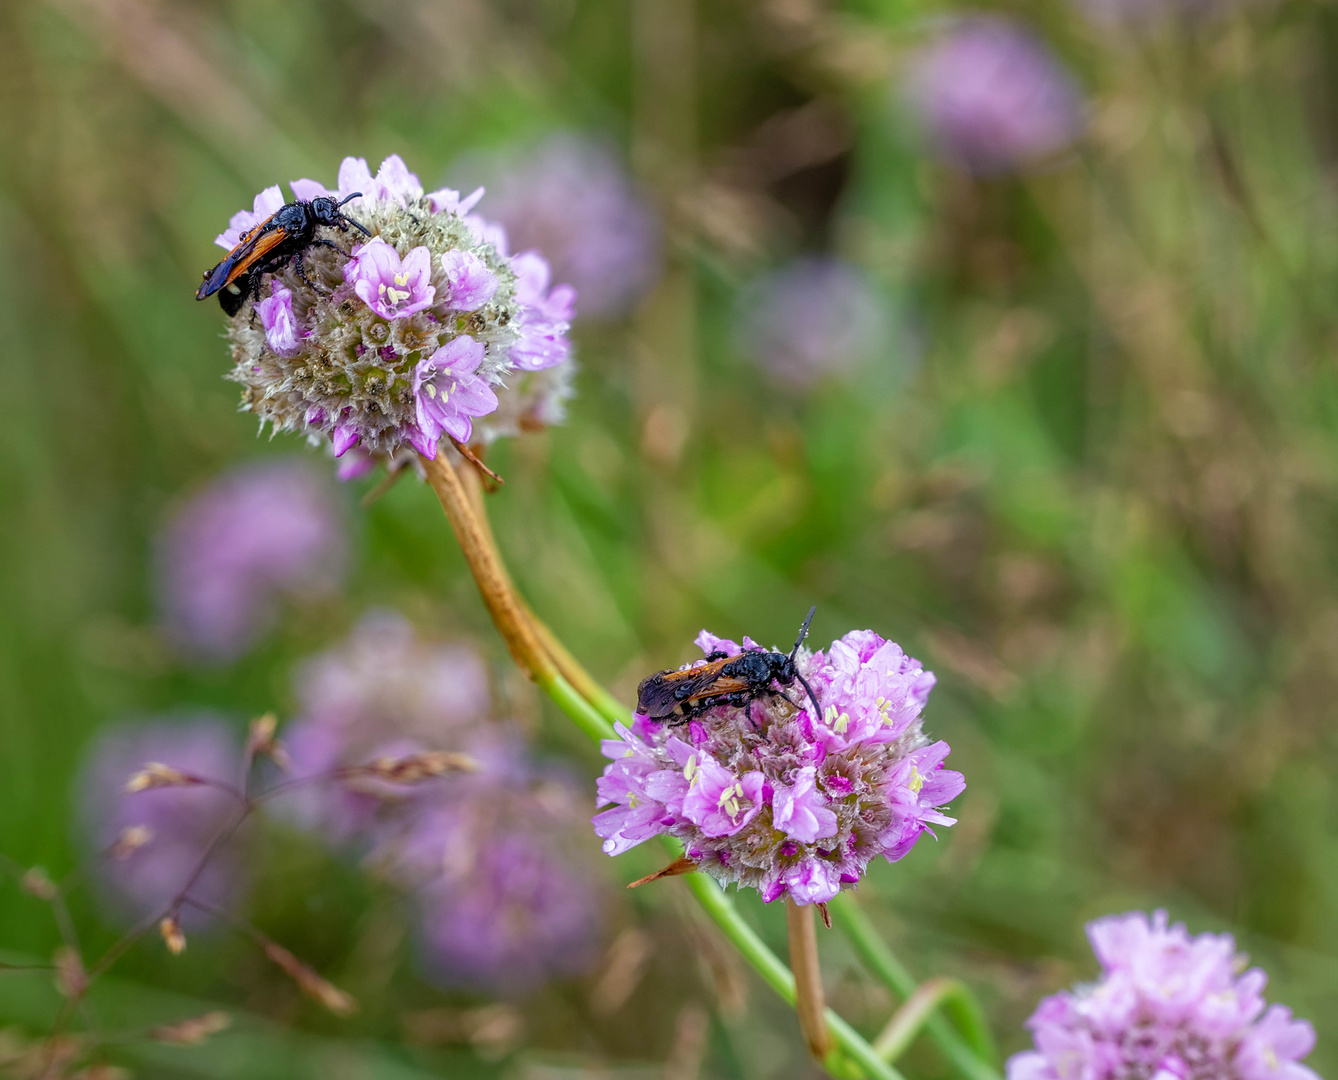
<point>506,609</point>
<point>809,1001</point>
<point>570,668</point>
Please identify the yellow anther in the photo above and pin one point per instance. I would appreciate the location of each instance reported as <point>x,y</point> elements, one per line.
<point>916,782</point>
<point>632,800</point>
<point>691,773</point>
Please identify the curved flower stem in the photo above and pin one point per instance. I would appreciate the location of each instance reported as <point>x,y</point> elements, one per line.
<point>604,703</point>
<point>480,552</point>
<point>558,674</point>
<point>464,492</point>
<point>809,1001</point>
<point>968,1045</point>
<point>907,1022</point>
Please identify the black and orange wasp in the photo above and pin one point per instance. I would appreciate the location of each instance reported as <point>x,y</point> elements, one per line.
<point>281,238</point>
<point>725,679</point>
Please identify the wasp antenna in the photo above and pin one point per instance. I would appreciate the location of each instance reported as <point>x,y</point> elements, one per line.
<point>812,696</point>
<point>803,632</point>
<point>350,198</point>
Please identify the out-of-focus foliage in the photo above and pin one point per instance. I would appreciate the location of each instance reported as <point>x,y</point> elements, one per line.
<point>1091,480</point>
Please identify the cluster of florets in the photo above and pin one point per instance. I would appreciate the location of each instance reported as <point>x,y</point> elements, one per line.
<point>810,318</point>
<point>233,549</point>
<point>503,889</point>
<point>993,98</point>
<point>571,198</point>
<point>383,693</point>
<point>1167,1007</point>
<point>778,796</point>
<point>429,329</point>
<point>488,857</point>
<point>151,838</point>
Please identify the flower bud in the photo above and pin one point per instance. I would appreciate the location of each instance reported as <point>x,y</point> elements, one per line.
<point>157,775</point>
<point>172,935</point>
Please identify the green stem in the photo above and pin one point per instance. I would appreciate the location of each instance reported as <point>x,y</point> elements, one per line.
<point>851,1048</point>
<point>908,1021</point>
<point>583,713</point>
<point>970,1049</point>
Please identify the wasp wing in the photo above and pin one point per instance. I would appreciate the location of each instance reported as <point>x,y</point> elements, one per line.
<point>250,250</point>
<point>660,695</point>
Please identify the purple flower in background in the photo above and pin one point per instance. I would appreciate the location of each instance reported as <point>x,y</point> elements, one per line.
<point>282,333</point>
<point>235,547</point>
<point>571,198</point>
<point>506,900</point>
<point>391,287</point>
<point>181,822</point>
<point>778,798</point>
<point>385,691</point>
<point>1167,1007</point>
<point>449,393</point>
<point>993,98</point>
<point>337,355</point>
<point>810,318</point>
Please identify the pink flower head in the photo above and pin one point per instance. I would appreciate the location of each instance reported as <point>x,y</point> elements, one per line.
<point>994,98</point>
<point>231,551</point>
<point>181,821</point>
<point>769,796</point>
<point>391,287</point>
<point>810,318</point>
<point>384,691</point>
<point>449,393</point>
<point>1169,1007</point>
<point>282,332</point>
<point>545,314</point>
<point>267,203</point>
<point>379,364</point>
<point>571,198</point>
<point>506,896</point>
<point>472,283</point>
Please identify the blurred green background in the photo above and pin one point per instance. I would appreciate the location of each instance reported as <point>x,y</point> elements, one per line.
<point>1092,483</point>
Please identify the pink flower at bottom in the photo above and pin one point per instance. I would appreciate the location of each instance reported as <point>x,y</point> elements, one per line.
<point>1167,1007</point>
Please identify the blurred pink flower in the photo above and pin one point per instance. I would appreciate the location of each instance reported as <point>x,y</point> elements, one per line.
<point>231,550</point>
<point>1167,1007</point>
<point>181,821</point>
<point>993,98</point>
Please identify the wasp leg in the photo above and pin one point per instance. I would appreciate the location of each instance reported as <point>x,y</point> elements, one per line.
<point>302,273</point>
<point>322,242</point>
<point>717,655</point>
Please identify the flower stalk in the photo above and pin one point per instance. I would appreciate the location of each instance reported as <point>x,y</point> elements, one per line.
<point>909,1020</point>
<point>968,1044</point>
<point>809,1001</point>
